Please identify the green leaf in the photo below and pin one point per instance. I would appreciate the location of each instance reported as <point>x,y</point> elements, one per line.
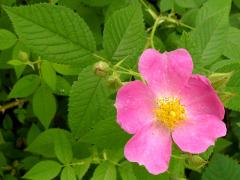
<point>221,144</point>
<point>142,174</point>
<point>48,74</point>
<point>81,170</point>
<point>16,62</point>
<point>45,142</point>
<point>30,161</point>
<point>235,20</point>
<point>68,70</point>
<point>68,173</point>
<point>8,39</point>
<point>124,34</point>
<point>209,36</point>
<point>96,2</point>
<point>105,171</point>
<point>88,98</point>
<point>25,86</point>
<point>232,49</point>
<point>106,134</point>
<point>126,171</point>
<point>63,148</point>
<point>69,40</point>
<point>33,132</point>
<point>166,5</point>
<point>222,167</point>
<point>231,98</point>
<point>44,105</point>
<point>47,169</point>
<point>63,87</point>
<point>177,168</point>
<point>188,3</point>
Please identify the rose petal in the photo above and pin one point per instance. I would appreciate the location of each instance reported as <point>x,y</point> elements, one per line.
<point>134,103</point>
<point>196,135</point>
<point>151,147</point>
<point>166,73</point>
<point>199,97</point>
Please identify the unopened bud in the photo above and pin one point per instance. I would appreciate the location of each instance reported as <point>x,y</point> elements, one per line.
<point>23,56</point>
<point>101,68</point>
<point>195,161</point>
<point>114,81</point>
<point>220,80</point>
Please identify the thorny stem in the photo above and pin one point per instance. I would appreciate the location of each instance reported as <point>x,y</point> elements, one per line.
<point>17,102</point>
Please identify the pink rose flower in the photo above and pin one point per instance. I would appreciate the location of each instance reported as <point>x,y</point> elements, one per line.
<point>174,105</point>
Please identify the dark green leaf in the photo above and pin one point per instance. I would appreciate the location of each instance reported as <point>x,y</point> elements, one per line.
<point>69,40</point>
<point>124,36</point>
<point>222,168</point>
<point>88,98</point>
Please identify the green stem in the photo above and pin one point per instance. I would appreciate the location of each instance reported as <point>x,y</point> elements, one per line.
<point>149,10</point>
<point>74,164</point>
<point>157,22</point>
<point>100,57</point>
<point>177,157</point>
<point>129,73</point>
<point>186,26</point>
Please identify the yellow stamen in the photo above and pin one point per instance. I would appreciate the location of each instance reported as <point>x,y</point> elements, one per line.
<point>169,112</point>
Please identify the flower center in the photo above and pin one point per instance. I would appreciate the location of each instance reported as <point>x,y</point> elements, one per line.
<point>169,112</point>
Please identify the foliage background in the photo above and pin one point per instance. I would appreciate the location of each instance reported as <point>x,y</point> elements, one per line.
<point>57,116</point>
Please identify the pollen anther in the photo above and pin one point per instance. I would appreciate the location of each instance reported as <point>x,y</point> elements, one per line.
<point>169,112</point>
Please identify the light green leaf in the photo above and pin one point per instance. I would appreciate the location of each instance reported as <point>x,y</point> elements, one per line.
<point>44,105</point>
<point>106,134</point>
<point>63,148</point>
<point>124,34</point>
<point>8,39</point>
<point>47,169</point>
<point>68,70</point>
<point>232,49</point>
<point>25,86</point>
<point>69,40</point>
<point>189,3</point>
<point>209,37</point>
<point>105,171</point>
<point>68,173</point>
<point>48,74</point>
<point>81,170</point>
<point>231,98</point>
<point>166,5</point>
<point>44,144</point>
<point>16,62</point>
<point>88,102</point>
<point>222,167</point>
<point>176,168</point>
